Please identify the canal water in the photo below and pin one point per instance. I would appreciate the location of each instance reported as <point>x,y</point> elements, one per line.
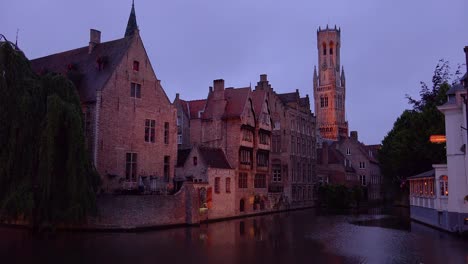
<point>308,236</point>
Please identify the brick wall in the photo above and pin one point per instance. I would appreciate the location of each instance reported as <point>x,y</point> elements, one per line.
<point>121,125</point>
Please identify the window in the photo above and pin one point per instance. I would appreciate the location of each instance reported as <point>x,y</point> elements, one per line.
<point>178,121</point>
<point>276,143</point>
<point>293,144</point>
<point>149,130</point>
<point>136,66</point>
<point>276,173</point>
<point>131,166</point>
<point>262,159</point>
<point>362,165</point>
<point>228,185</point>
<point>348,151</point>
<point>135,90</point>
<point>216,185</point>
<point>179,139</point>
<point>247,135</point>
<point>277,125</point>
<point>166,168</point>
<point>241,205</point>
<point>324,49</point>
<point>195,161</point>
<point>166,133</point>
<point>264,139</point>
<point>260,181</point>
<point>331,50</point>
<point>245,157</point>
<point>443,185</point>
<point>242,180</point>
<point>362,179</point>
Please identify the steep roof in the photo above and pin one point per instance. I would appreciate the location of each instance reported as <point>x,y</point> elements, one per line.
<point>214,157</point>
<point>236,100</point>
<point>194,107</point>
<point>288,97</point>
<point>132,23</point>
<point>182,155</point>
<point>258,98</point>
<point>93,70</point>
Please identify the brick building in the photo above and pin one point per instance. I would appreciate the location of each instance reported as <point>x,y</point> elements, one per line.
<point>214,178</point>
<point>329,86</point>
<point>351,163</point>
<point>293,146</point>
<point>130,124</point>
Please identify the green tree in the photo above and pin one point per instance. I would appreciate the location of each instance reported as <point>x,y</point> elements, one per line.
<point>406,150</point>
<point>46,176</point>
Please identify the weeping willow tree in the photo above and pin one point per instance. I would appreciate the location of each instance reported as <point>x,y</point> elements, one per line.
<point>46,176</point>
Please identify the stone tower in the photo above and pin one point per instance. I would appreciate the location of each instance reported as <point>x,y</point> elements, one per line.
<point>329,86</point>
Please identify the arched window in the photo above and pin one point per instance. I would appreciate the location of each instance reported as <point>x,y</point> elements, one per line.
<point>241,205</point>
<point>324,48</point>
<point>443,180</point>
<point>331,47</point>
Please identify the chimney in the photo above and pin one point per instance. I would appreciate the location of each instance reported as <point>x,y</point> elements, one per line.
<point>324,153</point>
<point>263,77</point>
<point>218,89</point>
<point>94,39</point>
<point>354,135</point>
<point>177,96</point>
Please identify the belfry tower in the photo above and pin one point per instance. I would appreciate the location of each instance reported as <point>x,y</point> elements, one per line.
<point>329,86</point>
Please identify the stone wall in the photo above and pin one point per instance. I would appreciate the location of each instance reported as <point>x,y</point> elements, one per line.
<point>140,211</point>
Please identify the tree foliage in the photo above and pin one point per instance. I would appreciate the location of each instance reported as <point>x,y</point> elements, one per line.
<point>46,176</point>
<point>406,150</point>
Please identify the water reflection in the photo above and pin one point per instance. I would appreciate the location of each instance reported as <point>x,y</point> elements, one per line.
<point>295,237</point>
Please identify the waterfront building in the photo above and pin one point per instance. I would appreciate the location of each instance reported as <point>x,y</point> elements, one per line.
<point>129,122</point>
<point>237,121</point>
<point>440,197</point>
<point>351,163</point>
<point>293,147</point>
<point>213,177</point>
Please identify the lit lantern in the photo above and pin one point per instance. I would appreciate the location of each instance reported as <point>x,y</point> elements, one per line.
<point>437,139</point>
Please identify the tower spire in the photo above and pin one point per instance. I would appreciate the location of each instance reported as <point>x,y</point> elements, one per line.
<point>132,23</point>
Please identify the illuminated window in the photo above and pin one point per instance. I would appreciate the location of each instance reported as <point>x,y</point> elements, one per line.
<point>443,180</point>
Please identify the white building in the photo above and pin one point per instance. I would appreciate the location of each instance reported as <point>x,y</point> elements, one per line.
<point>440,197</point>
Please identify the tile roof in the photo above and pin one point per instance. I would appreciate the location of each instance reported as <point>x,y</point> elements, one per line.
<point>214,157</point>
<point>93,79</point>
<point>236,100</point>
<point>258,98</point>
<point>194,107</point>
<point>288,97</point>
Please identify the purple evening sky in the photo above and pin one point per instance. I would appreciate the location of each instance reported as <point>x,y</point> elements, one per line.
<point>388,47</point>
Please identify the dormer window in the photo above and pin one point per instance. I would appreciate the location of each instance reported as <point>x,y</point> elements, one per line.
<point>136,66</point>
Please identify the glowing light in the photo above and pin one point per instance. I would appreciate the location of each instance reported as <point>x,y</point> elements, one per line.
<point>438,139</point>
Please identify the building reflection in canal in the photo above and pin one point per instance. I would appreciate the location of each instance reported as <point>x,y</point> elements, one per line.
<point>295,237</point>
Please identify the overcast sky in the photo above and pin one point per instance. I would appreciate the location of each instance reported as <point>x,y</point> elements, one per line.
<point>388,46</point>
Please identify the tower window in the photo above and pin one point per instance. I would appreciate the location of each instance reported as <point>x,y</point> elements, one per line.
<point>324,49</point>
<point>331,51</point>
